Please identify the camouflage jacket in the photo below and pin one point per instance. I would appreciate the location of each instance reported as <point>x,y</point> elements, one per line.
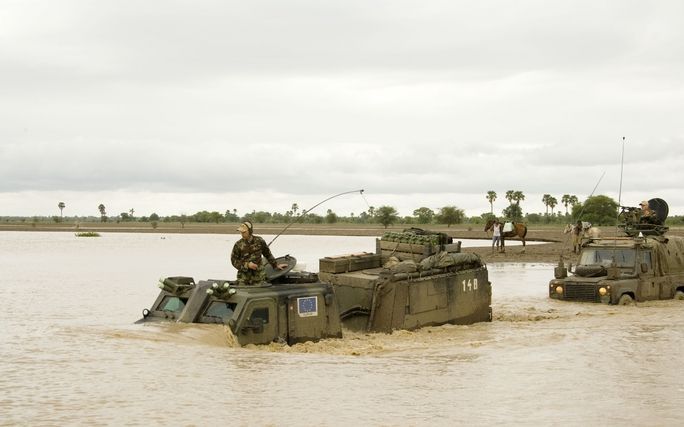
<point>246,251</point>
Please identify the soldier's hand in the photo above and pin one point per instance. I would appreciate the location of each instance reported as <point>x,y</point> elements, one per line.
<point>252,266</point>
<point>282,266</point>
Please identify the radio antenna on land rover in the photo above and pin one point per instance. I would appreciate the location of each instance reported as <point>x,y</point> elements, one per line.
<point>622,162</point>
<point>617,215</point>
<point>579,216</point>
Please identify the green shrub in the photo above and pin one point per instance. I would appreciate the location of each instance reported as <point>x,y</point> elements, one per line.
<point>88,234</point>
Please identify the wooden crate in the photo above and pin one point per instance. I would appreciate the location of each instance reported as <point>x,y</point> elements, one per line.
<point>348,262</point>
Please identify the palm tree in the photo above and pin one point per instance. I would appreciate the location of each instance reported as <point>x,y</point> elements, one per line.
<point>568,199</point>
<point>103,213</point>
<point>545,200</point>
<point>518,196</point>
<point>552,202</point>
<point>510,196</point>
<point>295,208</point>
<point>491,197</point>
<point>132,211</point>
<point>61,207</point>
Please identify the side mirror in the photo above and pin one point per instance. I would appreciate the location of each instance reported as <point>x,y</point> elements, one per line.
<point>256,325</point>
<point>612,272</point>
<point>644,267</point>
<point>560,272</point>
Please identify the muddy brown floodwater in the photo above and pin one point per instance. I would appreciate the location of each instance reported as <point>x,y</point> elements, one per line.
<point>70,353</point>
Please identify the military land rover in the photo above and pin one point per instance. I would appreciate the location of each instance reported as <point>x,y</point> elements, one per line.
<point>645,264</point>
<point>413,279</point>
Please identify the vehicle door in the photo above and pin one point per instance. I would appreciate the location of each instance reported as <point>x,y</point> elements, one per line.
<point>307,318</point>
<point>649,280</point>
<point>258,323</point>
<point>663,277</point>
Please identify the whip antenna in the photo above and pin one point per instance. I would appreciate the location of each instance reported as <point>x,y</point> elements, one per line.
<point>597,184</point>
<point>592,193</point>
<point>622,162</point>
<point>579,216</point>
<point>312,208</point>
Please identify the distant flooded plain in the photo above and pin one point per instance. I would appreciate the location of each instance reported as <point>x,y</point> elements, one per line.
<point>71,354</point>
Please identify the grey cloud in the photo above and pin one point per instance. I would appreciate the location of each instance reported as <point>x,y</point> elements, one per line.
<point>308,97</point>
<point>160,41</point>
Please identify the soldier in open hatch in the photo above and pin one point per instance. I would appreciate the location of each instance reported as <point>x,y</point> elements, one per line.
<point>648,216</point>
<point>246,257</point>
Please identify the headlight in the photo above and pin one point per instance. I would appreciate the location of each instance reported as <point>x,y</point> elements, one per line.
<point>603,291</point>
<point>559,289</point>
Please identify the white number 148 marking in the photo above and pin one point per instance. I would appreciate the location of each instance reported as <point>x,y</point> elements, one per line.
<point>469,285</point>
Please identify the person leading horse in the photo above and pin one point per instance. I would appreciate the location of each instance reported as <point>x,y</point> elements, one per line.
<point>518,230</point>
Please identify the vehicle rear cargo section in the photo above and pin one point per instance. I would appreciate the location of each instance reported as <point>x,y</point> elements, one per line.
<point>380,302</point>
<point>408,285</point>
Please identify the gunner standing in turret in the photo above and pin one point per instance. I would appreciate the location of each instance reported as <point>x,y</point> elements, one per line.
<point>648,216</point>
<point>246,257</point>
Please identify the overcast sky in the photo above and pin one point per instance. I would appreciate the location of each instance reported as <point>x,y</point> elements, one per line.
<point>179,106</point>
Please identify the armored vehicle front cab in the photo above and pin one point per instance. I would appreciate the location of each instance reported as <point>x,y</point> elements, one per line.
<point>293,307</point>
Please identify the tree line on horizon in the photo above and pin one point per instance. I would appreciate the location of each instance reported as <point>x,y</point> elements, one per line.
<point>599,210</point>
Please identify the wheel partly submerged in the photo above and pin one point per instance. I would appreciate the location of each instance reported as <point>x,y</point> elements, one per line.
<point>626,299</point>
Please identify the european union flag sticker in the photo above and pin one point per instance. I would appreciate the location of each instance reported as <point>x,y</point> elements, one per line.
<point>307,306</point>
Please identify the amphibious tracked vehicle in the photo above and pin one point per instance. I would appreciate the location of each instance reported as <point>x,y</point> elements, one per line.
<point>413,279</point>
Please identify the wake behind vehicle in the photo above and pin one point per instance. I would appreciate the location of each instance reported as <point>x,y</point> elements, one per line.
<point>643,265</point>
<point>414,279</point>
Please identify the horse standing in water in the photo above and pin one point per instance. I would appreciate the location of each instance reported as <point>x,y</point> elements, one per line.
<point>519,230</point>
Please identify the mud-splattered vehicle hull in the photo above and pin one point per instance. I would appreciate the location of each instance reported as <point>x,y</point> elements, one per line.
<point>377,301</point>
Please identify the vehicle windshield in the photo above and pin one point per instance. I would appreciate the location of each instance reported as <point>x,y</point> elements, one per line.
<point>172,303</point>
<point>623,257</point>
<point>220,309</point>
